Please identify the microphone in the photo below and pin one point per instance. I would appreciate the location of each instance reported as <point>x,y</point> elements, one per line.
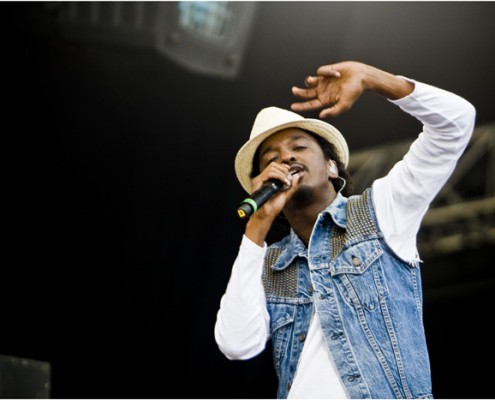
<point>251,204</point>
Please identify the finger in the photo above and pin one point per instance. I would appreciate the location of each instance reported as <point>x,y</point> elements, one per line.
<point>329,71</point>
<point>283,175</point>
<point>280,167</point>
<point>329,112</point>
<point>311,81</point>
<point>338,108</point>
<point>275,170</point>
<point>306,105</point>
<point>304,93</point>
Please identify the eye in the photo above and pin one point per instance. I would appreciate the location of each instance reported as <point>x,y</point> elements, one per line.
<point>299,148</point>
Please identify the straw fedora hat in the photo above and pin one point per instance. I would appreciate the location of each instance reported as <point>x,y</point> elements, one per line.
<point>273,119</point>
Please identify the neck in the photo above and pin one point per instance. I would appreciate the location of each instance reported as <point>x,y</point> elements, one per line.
<point>303,217</point>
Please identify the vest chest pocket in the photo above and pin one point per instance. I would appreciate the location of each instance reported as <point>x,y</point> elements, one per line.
<point>358,275</point>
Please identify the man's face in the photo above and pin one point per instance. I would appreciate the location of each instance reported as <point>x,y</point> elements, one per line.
<point>302,152</point>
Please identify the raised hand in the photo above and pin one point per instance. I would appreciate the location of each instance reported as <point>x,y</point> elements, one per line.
<point>334,89</point>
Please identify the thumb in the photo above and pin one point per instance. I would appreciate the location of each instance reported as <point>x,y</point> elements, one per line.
<point>338,108</point>
<point>330,112</point>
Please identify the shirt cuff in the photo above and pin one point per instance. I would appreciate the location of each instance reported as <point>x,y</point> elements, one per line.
<point>411,96</point>
<point>248,247</point>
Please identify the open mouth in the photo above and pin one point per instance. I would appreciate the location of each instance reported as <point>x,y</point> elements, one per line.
<point>295,169</point>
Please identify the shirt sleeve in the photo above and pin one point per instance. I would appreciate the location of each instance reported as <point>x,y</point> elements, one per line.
<point>242,325</point>
<point>403,196</point>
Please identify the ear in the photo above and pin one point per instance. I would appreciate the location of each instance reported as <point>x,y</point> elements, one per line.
<point>333,171</point>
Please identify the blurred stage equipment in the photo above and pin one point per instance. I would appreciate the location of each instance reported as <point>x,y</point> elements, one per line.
<point>207,37</point>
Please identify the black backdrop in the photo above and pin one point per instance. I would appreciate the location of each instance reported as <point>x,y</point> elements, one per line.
<point>121,195</point>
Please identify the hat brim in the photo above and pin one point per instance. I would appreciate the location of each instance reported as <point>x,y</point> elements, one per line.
<point>245,155</point>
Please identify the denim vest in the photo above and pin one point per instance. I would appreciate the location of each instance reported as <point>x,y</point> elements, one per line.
<point>368,300</point>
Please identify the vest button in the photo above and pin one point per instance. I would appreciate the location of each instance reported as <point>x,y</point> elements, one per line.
<point>356,261</point>
<point>302,337</point>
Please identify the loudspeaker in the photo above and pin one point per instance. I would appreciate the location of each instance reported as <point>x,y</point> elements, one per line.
<point>23,378</point>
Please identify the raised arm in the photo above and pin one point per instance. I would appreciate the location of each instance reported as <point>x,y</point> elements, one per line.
<point>403,196</point>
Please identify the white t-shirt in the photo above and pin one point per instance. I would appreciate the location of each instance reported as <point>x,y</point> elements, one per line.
<point>401,200</point>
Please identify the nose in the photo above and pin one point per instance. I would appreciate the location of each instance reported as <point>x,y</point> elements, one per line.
<point>287,157</point>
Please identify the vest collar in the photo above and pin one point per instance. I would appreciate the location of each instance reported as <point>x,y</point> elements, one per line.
<point>293,246</point>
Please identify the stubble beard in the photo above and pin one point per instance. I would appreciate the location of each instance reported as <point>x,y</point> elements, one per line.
<point>303,196</point>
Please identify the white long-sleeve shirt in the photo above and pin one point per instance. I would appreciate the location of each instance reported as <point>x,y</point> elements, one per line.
<point>401,200</point>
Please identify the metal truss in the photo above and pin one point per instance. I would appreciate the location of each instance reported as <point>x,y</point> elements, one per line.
<point>462,215</point>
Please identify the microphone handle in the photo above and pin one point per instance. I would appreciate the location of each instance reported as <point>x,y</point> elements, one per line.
<point>251,204</point>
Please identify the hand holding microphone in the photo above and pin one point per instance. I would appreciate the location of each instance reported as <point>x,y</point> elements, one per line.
<point>259,197</point>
